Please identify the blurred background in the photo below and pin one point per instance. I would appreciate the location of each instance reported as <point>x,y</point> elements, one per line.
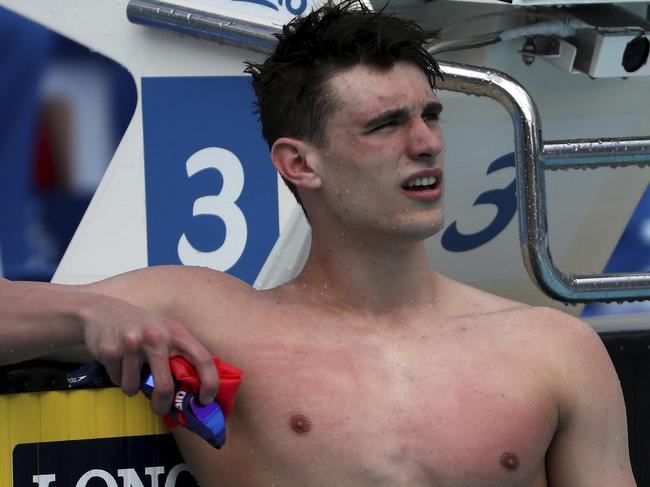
<point>63,111</point>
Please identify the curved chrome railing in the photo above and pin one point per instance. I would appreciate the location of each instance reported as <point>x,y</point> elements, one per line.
<point>532,155</point>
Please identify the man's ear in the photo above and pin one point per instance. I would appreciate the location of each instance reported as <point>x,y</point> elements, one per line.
<point>296,161</point>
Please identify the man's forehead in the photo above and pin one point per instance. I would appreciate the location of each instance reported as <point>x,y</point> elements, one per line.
<point>365,90</point>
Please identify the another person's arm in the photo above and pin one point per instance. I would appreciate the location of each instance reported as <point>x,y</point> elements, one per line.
<point>120,322</point>
<point>590,447</point>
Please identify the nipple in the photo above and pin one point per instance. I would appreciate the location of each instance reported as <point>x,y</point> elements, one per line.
<point>300,424</point>
<point>509,461</point>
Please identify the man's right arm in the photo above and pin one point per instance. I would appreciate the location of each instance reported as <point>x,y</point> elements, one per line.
<point>120,322</point>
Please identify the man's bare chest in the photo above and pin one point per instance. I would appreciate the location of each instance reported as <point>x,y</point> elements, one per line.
<point>394,414</point>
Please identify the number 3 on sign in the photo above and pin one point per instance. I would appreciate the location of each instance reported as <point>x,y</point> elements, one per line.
<point>221,205</point>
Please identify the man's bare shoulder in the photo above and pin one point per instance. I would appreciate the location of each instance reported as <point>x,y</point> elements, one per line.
<point>555,325</point>
<point>167,278</point>
<point>578,354</point>
<point>174,290</point>
<point>462,299</point>
<point>570,351</point>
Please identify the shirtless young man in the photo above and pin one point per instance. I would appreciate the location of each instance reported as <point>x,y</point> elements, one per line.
<point>368,369</point>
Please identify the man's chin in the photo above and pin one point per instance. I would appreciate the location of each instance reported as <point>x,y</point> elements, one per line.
<point>421,231</point>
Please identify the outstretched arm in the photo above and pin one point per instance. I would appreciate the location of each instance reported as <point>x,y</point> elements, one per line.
<point>590,447</point>
<point>121,322</point>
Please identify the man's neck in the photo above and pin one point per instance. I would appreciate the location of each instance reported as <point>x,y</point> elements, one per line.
<point>370,275</point>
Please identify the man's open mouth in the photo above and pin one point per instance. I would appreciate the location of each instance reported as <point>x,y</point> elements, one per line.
<point>422,183</point>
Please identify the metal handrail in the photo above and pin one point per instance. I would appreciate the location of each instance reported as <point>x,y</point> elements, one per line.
<point>532,155</point>
<point>198,23</point>
<point>590,153</point>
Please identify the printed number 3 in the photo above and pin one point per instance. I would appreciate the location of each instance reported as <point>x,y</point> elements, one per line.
<point>504,199</point>
<point>221,205</point>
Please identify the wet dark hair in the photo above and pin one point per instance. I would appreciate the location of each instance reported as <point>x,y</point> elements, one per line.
<point>293,99</point>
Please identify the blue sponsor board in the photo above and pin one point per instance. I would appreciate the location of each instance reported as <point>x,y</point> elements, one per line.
<point>138,460</point>
<point>211,190</point>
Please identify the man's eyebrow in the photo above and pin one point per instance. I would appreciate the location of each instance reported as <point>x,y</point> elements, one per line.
<point>387,116</point>
<point>432,108</point>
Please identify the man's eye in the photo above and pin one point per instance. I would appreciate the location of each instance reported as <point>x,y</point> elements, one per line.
<point>431,117</point>
<point>386,125</point>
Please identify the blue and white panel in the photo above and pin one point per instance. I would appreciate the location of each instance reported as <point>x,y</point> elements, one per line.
<point>211,190</point>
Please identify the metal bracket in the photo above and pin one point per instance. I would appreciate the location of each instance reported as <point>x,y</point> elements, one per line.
<point>532,155</point>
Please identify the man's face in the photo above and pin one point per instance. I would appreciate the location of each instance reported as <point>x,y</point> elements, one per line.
<point>382,165</point>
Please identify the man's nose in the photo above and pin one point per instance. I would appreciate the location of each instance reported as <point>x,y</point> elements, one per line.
<point>425,140</point>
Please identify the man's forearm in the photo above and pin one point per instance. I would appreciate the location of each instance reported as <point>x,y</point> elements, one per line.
<point>117,321</point>
<point>38,319</point>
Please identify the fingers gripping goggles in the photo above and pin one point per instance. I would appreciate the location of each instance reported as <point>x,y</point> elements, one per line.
<point>186,410</point>
<point>208,421</point>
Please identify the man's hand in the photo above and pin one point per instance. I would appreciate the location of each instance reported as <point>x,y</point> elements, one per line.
<point>123,337</point>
